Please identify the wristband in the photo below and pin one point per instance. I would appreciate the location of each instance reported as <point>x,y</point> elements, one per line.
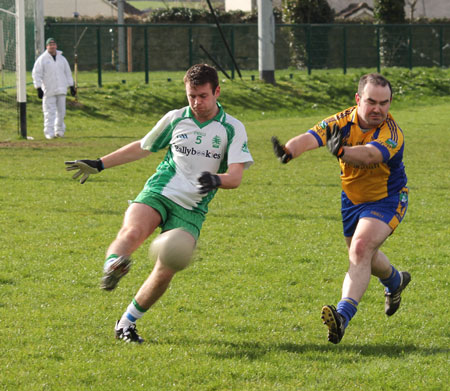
<point>100,166</point>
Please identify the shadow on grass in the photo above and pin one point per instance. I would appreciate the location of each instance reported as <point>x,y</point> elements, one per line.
<point>274,216</point>
<point>91,211</point>
<point>255,350</point>
<point>7,281</point>
<point>377,350</point>
<point>109,137</point>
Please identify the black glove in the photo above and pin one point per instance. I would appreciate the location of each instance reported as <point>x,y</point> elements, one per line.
<point>85,167</point>
<point>40,93</point>
<point>281,152</point>
<point>73,90</point>
<point>335,141</point>
<point>208,182</point>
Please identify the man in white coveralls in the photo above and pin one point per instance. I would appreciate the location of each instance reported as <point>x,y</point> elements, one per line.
<point>207,150</point>
<point>51,77</point>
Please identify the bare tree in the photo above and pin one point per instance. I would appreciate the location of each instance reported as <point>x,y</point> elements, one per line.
<point>412,8</point>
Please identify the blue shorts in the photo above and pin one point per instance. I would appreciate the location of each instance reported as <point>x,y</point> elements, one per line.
<point>391,210</point>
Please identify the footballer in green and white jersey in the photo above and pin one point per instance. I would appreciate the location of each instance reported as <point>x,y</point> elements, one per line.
<point>194,147</point>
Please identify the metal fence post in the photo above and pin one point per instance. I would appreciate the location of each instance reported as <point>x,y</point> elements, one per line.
<point>345,49</point>
<point>378,50</point>
<point>146,55</point>
<point>232,51</point>
<point>99,57</point>
<point>308,47</point>
<point>410,51</point>
<point>190,46</point>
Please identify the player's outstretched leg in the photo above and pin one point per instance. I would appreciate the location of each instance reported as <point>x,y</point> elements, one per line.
<point>393,299</point>
<point>128,334</point>
<point>335,323</point>
<point>114,270</point>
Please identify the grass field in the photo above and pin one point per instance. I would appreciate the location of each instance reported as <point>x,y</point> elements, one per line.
<point>246,314</point>
<point>145,5</point>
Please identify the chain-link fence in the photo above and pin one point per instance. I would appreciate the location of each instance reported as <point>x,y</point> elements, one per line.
<point>171,47</point>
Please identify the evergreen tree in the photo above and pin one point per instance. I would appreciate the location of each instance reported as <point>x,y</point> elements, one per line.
<point>390,11</point>
<point>307,11</point>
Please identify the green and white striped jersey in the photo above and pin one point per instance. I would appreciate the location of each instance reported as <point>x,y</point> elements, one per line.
<point>193,148</point>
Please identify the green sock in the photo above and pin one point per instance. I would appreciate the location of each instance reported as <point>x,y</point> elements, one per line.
<point>109,260</point>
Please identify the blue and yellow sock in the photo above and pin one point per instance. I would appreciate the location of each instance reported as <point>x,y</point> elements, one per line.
<point>392,282</point>
<point>347,307</point>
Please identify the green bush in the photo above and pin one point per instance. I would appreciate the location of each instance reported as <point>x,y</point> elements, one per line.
<point>308,12</point>
<point>390,11</point>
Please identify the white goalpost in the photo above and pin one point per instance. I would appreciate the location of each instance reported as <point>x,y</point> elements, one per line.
<point>21,72</point>
<point>12,39</point>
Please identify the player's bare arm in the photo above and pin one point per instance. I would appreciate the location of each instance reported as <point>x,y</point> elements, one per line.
<point>294,147</point>
<point>128,153</point>
<point>233,177</point>
<point>302,143</point>
<point>362,155</point>
<point>230,180</point>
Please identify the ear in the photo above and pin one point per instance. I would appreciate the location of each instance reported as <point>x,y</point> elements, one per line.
<point>357,98</point>
<point>217,92</point>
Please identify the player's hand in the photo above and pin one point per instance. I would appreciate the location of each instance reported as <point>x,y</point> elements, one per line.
<point>73,90</point>
<point>85,168</point>
<point>40,93</point>
<point>208,182</point>
<point>335,139</point>
<point>281,152</point>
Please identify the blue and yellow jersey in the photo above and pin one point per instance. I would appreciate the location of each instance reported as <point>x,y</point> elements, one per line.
<point>368,183</point>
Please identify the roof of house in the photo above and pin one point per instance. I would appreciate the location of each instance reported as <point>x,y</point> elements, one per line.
<point>423,9</point>
<point>356,11</point>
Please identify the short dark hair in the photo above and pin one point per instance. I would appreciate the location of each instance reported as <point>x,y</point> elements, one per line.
<point>373,78</point>
<point>201,74</point>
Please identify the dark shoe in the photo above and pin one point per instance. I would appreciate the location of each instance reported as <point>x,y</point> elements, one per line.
<point>128,334</point>
<point>335,323</point>
<point>114,272</point>
<point>393,299</point>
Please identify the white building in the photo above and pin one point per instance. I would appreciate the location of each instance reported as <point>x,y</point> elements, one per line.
<point>246,5</point>
<point>86,8</point>
<point>423,9</point>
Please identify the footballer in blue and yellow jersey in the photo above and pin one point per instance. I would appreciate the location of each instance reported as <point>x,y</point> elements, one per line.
<point>368,183</point>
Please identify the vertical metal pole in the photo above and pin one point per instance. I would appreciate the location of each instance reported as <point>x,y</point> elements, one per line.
<point>345,50</point>
<point>232,51</point>
<point>99,57</point>
<point>146,54</point>
<point>21,72</point>
<point>39,41</point>
<point>266,41</point>
<point>308,48</point>
<point>130,49</point>
<point>378,50</point>
<point>120,21</point>
<point>190,47</point>
<point>410,48</point>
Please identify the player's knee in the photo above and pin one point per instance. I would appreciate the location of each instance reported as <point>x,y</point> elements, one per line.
<point>173,248</point>
<point>360,250</point>
<point>131,234</point>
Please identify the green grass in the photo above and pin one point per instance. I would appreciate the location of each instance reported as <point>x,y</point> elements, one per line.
<point>246,314</point>
<point>144,5</point>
